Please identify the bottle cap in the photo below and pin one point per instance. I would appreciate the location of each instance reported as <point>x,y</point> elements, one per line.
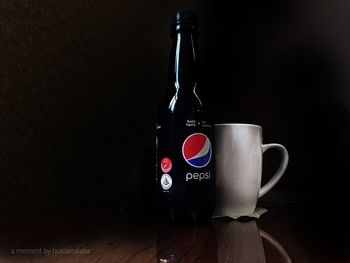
<point>184,20</point>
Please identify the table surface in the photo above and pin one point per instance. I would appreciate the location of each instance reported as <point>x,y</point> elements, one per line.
<point>281,235</point>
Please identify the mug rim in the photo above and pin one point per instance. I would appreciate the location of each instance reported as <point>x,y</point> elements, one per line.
<point>237,124</point>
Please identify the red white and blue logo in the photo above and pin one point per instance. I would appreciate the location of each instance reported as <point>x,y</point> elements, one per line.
<point>197,150</point>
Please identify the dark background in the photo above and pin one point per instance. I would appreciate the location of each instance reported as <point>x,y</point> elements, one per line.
<point>80,82</point>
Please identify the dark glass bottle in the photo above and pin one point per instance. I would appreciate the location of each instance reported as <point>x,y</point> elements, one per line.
<point>185,156</point>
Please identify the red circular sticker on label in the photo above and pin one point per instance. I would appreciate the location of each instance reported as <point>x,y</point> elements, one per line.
<point>166,165</point>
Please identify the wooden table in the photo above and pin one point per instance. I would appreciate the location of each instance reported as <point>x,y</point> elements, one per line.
<point>281,235</point>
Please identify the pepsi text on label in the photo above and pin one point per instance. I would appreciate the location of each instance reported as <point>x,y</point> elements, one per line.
<point>198,176</point>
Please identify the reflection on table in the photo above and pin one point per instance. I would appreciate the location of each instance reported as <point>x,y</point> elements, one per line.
<point>219,241</point>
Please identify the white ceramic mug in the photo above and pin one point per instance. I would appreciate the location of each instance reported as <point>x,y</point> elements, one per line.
<point>239,151</point>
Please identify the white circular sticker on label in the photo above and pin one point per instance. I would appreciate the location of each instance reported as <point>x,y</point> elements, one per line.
<point>166,181</point>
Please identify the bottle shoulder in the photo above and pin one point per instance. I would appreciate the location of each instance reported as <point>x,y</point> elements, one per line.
<point>178,101</point>
<point>181,113</point>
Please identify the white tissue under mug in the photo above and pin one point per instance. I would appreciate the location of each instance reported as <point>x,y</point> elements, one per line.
<point>239,151</point>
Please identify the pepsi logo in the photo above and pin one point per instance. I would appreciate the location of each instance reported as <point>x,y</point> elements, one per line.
<point>197,150</point>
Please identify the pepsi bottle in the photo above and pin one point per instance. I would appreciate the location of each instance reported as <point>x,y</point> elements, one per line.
<point>184,135</point>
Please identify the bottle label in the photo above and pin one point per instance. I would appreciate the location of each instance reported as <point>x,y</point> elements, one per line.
<point>185,161</point>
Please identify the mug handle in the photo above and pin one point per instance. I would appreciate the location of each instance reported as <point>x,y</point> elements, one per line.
<point>285,157</point>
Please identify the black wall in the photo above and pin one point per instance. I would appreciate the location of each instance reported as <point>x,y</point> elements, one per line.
<point>284,65</point>
<point>80,82</point>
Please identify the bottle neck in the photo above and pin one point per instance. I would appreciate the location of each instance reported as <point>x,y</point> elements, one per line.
<point>184,68</point>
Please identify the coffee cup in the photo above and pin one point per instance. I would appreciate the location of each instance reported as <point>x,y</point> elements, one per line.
<point>239,160</point>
